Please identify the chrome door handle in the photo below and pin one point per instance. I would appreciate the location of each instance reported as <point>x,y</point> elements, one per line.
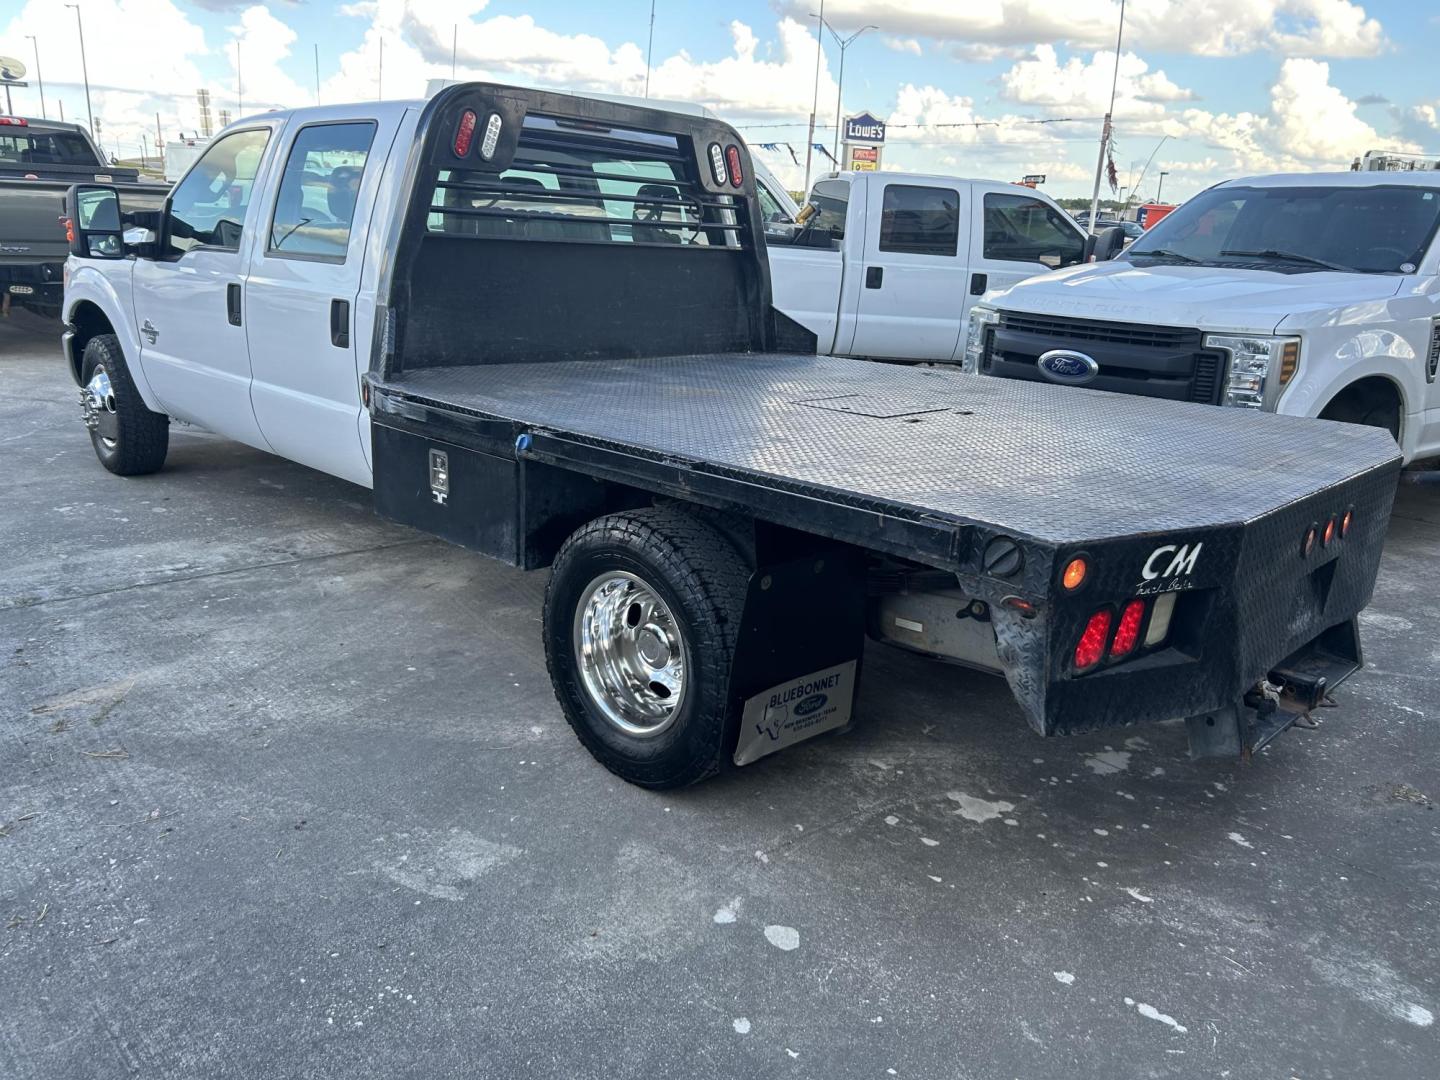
<point>149,331</point>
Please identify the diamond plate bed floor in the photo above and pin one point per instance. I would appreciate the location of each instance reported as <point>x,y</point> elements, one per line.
<point>1056,463</point>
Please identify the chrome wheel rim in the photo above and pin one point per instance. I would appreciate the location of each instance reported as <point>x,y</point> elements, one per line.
<point>631,653</point>
<point>97,401</point>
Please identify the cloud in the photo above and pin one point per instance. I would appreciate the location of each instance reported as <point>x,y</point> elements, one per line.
<point>903,45</point>
<point>1200,27</point>
<point>1310,125</point>
<point>1082,86</point>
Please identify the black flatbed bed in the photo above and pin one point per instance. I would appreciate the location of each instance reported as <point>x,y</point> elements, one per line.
<point>1049,463</point>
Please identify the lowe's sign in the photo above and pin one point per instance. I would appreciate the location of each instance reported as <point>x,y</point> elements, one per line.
<point>864,129</point>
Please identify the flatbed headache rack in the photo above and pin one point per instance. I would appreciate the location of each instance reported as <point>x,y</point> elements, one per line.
<point>618,358</point>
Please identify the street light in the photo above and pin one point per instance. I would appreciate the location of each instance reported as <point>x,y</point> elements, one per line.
<point>1160,186</point>
<point>844,44</point>
<point>38,77</point>
<point>84,67</point>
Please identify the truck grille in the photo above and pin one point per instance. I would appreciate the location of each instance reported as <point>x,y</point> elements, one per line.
<point>1164,337</point>
<point>1134,358</point>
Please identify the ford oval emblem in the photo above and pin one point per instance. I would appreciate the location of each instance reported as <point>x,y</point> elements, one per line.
<point>813,703</point>
<point>1067,367</point>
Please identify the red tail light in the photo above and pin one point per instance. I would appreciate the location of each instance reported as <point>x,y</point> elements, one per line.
<point>1092,642</point>
<point>1329,533</point>
<point>732,158</point>
<point>464,132</point>
<point>1307,545</point>
<point>1345,523</point>
<point>1127,632</point>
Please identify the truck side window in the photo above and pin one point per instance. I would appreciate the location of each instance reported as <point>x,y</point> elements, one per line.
<point>920,220</point>
<point>832,199</point>
<point>315,206</point>
<point>1019,228</point>
<point>208,207</point>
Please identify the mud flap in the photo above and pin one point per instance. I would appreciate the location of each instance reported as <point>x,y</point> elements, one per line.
<point>797,660</point>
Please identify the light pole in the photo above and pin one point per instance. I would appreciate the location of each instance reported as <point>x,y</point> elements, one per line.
<point>844,44</point>
<point>38,77</point>
<point>814,97</point>
<point>1160,186</point>
<point>84,67</point>
<point>1105,131</point>
<point>649,48</point>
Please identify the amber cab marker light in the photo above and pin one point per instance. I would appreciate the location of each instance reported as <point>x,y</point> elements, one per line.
<point>1329,533</point>
<point>1092,642</point>
<point>1308,544</point>
<point>1075,573</point>
<point>1345,523</point>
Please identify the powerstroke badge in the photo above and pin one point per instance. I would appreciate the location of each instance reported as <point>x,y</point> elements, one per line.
<point>795,711</point>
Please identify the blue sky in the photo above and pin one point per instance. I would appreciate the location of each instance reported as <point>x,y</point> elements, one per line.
<point>1215,88</point>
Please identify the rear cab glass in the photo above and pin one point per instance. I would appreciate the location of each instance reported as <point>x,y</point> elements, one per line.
<point>44,148</point>
<point>631,187</point>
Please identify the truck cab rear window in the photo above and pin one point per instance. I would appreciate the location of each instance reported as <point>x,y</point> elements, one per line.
<point>583,186</point>
<point>45,148</point>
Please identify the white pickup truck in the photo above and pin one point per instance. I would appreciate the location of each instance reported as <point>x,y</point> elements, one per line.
<point>540,327</point>
<point>886,265</point>
<point>1314,295</point>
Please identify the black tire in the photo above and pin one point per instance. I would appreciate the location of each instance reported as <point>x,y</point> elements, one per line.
<point>131,440</point>
<point>702,579</point>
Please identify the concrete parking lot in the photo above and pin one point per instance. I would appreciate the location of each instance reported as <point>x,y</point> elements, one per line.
<point>284,792</point>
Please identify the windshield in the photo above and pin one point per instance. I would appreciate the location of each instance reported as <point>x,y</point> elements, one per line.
<point>1383,229</point>
<point>45,148</point>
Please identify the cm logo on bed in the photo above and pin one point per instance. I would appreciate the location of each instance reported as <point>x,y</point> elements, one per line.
<point>1168,563</point>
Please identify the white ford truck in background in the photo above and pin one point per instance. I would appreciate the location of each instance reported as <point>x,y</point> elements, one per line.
<point>1313,295</point>
<point>887,265</point>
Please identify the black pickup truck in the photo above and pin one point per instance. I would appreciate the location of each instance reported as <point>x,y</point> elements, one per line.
<point>576,364</point>
<point>39,160</point>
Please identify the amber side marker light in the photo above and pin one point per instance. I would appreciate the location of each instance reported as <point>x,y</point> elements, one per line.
<point>1289,361</point>
<point>1076,570</point>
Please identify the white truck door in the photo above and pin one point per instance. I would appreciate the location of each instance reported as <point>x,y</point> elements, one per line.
<point>807,269</point>
<point>911,300</point>
<point>305,275</point>
<point>188,301</point>
<point>1016,237</point>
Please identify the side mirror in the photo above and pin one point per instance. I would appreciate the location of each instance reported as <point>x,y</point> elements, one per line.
<point>1108,244</point>
<point>92,222</point>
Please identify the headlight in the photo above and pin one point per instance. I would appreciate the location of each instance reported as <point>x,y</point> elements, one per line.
<point>1259,368</point>
<point>982,316</point>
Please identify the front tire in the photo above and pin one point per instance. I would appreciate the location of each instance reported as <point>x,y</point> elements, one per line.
<point>642,614</point>
<point>129,439</point>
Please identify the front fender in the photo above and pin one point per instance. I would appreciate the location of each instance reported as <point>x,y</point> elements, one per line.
<point>88,285</point>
